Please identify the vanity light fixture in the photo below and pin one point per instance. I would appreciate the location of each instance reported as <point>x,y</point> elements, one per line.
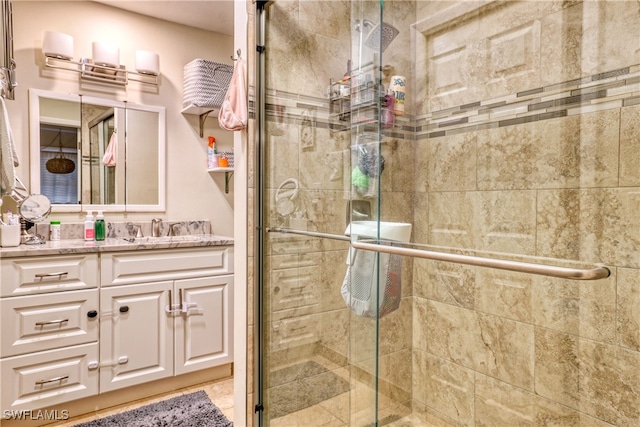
<point>105,65</point>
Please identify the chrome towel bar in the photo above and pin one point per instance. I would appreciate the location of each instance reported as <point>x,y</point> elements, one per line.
<point>598,272</point>
<point>309,233</point>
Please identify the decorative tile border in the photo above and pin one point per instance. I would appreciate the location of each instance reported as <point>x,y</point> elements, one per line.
<point>603,91</point>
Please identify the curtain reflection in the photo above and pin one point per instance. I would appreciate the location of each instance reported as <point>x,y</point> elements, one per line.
<point>59,188</point>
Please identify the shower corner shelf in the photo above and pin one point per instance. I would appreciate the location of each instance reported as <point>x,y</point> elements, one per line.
<point>201,112</point>
<point>228,173</point>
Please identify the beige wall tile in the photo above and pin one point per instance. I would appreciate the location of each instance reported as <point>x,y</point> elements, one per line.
<point>630,146</point>
<point>445,282</point>
<point>485,343</point>
<point>585,308</point>
<point>609,382</point>
<point>628,299</point>
<point>556,375</point>
<point>500,404</point>
<point>451,163</point>
<point>447,387</point>
<point>451,220</point>
<point>557,153</point>
<point>591,225</point>
<point>420,334</point>
<point>504,294</point>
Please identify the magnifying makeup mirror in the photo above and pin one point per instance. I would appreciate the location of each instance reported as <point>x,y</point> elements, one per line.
<point>33,208</point>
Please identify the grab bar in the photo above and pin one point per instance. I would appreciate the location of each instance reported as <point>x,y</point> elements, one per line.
<point>598,272</point>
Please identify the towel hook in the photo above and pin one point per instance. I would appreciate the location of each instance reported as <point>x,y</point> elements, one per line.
<point>239,52</point>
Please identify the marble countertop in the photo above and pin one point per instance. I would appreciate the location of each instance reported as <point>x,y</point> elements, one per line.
<point>77,246</point>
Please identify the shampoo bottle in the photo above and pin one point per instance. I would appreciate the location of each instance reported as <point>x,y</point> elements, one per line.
<point>100,226</point>
<point>89,227</point>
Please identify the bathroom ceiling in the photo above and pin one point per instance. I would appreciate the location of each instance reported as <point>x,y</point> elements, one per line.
<point>212,15</point>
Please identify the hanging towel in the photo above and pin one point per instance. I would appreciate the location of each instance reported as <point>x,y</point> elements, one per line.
<point>233,113</point>
<point>110,154</point>
<point>8,154</point>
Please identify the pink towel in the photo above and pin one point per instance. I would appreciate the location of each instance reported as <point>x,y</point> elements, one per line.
<point>110,154</point>
<point>233,113</point>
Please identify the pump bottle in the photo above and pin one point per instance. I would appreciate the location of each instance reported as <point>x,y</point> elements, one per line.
<point>212,154</point>
<point>100,226</point>
<point>89,227</point>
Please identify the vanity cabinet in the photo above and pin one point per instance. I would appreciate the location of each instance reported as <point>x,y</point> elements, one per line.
<point>152,329</point>
<point>49,338</point>
<point>76,326</point>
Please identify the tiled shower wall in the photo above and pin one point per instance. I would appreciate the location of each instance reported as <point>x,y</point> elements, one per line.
<point>522,137</point>
<point>528,142</point>
<point>305,314</point>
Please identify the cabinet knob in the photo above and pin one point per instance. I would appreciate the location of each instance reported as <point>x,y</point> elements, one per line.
<point>91,314</point>
<point>124,309</point>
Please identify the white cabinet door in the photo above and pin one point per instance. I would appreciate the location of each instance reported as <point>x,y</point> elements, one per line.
<point>204,330</point>
<point>136,335</point>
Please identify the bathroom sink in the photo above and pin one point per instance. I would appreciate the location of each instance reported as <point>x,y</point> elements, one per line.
<point>166,239</point>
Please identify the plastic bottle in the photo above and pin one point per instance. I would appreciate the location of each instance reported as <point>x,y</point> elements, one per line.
<point>89,227</point>
<point>212,154</point>
<point>100,226</point>
<point>54,230</point>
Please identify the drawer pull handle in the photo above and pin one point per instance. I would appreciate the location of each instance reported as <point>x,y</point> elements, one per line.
<point>52,380</point>
<point>124,309</point>
<point>91,314</point>
<point>51,322</point>
<point>58,275</point>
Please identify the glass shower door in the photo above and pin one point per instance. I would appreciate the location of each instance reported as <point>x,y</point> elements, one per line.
<point>450,208</point>
<point>315,360</point>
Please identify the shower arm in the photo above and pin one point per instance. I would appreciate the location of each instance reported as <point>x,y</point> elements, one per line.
<point>598,272</point>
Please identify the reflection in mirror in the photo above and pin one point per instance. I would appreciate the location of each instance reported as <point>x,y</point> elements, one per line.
<point>97,153</point>
<point>100,157</point>
<point>59,139</point>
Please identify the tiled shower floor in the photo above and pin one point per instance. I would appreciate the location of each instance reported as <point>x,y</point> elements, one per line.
<point>334,411</point>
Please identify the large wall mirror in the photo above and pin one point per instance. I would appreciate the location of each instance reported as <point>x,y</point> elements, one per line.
<point>92,153</point>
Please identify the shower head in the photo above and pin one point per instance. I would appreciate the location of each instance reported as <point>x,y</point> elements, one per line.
<point>380,36</point>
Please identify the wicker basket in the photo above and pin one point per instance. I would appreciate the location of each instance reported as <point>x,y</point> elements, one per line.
<point>60,165</point>
<point>205,83</point>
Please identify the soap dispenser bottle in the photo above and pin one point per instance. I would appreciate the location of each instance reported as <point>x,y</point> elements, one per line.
<point>212,154</point>
<point>89,227</point>
<point>100,226</point>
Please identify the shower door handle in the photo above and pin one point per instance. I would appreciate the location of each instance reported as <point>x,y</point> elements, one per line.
<point>599,271</point>
<point>595,273</point>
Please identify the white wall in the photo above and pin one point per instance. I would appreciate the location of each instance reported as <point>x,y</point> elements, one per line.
<point>192,193</point>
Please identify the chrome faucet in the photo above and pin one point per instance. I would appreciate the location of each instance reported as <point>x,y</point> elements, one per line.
<point>155,227</point>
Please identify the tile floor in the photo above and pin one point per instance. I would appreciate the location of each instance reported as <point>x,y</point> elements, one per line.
<point>333,412</point>
<point>336,411</point>
<point>220,392</point>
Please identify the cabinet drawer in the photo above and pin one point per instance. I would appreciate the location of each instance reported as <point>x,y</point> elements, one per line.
<point>127,268</point>
<point>49,377</point>
<point>35,275</point>
<point>42,322</point>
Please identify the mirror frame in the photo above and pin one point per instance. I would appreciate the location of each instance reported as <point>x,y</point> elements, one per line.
<point>34,150</point>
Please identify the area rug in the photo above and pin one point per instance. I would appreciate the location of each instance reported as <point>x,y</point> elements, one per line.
<point>189,410</point>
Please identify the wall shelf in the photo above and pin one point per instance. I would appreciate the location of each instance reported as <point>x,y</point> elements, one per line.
<point>201,112</point>
<point>228,173</point>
